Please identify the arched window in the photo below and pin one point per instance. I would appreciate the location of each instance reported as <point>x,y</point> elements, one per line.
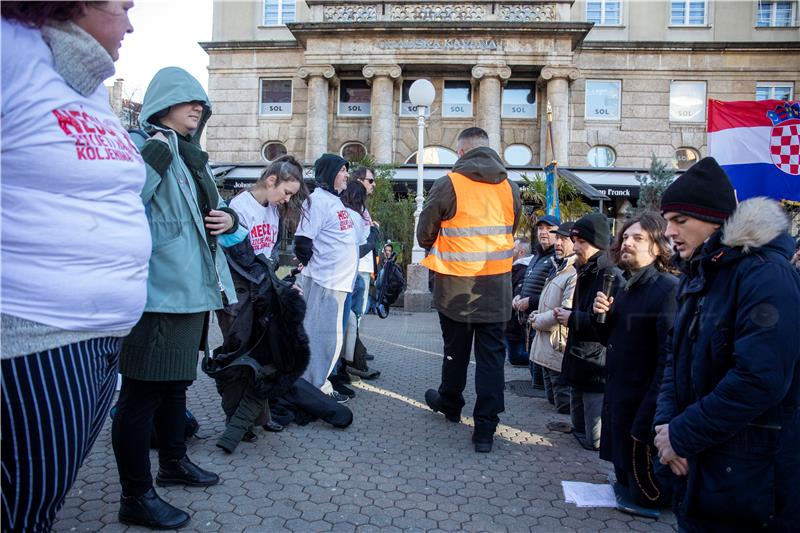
<point>353,151</point>
<point>517,155</point>
<point>685,157</point>
<point>272,150</point>
<point>601,156</point>
<point>435,155</point>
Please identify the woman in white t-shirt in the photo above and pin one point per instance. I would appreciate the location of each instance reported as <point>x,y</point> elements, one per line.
<point>75,245</point>
<point>276,198</point>
<point>325,243</point>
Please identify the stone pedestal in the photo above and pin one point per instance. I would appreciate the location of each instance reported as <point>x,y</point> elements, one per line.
<point>382,125</point>
<point>490,95</point>
<point>318,77</point>
<point>417,297</point>
<point>557,80</point>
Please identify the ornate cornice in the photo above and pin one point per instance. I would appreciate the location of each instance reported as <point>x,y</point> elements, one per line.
<point>321,71</point>
<point>391,71</point>
<point>491,71</point>
<point>569,73</point>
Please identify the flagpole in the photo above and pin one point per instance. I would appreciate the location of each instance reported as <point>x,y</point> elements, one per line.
<point>550,135</point>
<point>551,170</point>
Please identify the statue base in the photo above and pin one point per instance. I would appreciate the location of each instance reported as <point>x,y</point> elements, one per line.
<point>417,297</point>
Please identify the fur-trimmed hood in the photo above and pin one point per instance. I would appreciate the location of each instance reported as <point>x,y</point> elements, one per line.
<point>758,223</point>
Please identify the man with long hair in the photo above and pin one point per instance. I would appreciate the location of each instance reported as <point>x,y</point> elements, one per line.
<point>635,333</point>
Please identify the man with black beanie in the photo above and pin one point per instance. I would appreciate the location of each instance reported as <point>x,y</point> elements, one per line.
<point>728,414</point>
<point>583,368</point>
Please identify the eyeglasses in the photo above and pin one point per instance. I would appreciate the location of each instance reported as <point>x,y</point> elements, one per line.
<point>370,180</point>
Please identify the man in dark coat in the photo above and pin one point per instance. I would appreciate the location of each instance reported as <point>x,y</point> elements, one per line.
<point>515,334</point>
<point>634,334</point>
<point>468,223</point>
<point>728,414</point>
<point>584,357</point>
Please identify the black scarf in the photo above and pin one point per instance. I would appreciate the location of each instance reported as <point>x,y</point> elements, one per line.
<point>196,160</point>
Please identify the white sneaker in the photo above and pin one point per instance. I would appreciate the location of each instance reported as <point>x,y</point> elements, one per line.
<point>339,398</point>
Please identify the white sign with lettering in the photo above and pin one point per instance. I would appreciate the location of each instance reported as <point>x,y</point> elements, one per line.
<point>407,109</point>
<point>360,109</point>
<point>276,109</point>
<point>519,110</point>
<point>457,110</point>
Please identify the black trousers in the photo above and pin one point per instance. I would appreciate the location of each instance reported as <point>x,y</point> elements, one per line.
<point>143,405</point>
<point>489,379</point>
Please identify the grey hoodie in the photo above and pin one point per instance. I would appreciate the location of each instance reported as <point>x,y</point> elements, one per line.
<point>480,299</point>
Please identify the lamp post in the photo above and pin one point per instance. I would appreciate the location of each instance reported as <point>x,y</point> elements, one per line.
<point>421,95</point>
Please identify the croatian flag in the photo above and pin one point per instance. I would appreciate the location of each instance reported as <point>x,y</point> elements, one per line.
<point>758,145</point>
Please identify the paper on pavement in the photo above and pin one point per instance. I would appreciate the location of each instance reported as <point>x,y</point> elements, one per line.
<point>589,494</point>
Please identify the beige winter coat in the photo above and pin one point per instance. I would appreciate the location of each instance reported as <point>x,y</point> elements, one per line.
<point>547,348</point>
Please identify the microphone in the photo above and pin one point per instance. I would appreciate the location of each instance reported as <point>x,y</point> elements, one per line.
<point>608,283</point>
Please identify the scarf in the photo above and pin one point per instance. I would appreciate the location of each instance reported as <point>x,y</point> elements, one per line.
<point>196,160</point>
<point>77,56</point>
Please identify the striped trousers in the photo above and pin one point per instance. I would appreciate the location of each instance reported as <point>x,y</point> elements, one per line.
<point>54,405</point>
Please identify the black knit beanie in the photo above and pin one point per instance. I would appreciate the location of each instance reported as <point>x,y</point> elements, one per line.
<point>593,228</point>
<point>703,192</point>
<point>326,168</point>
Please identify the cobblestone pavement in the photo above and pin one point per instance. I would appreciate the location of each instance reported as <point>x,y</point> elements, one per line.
<point>398,467</point>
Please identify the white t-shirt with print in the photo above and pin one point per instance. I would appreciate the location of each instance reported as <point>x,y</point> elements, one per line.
<point>75,239</point>
<point>363,224</point>
<point>335,246</point>
<point>262,222</point>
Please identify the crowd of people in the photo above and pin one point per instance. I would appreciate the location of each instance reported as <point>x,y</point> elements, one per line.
<point>674,347</point>
<point>680,369</point>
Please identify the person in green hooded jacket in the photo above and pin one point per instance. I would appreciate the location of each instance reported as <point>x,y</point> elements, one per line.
<point>188,278</point>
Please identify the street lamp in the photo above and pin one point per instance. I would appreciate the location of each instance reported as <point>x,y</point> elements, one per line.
<point>421,95</point>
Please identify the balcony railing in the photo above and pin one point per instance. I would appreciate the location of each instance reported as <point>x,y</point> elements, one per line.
<point>439,11</point>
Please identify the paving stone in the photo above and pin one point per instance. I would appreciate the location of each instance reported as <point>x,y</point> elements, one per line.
<point>398,467</point>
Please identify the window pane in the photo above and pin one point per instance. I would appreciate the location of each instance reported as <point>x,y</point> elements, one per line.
<point>697,13</point>
<point>764,13</point>
<point>783,14</point>
<point>763,93</point>
<point>602,100</point>
<point>272,151</point>
<point>678,13</point>
<point>519,99</point>
<point>601,156</point>
<point>593,12</point>
<point>271,12</point>
<point>407,109</point>
<point>612,13</point>
<point>782,93</point>
<point>435,155</point>
<point>685,157</point>
<point>276,97</point>
<point>517,155</point>
<point>354,97</point>
<point>288,11</point>
<point>353,151</point>
<point>687,101</point>
<point>457,99</point>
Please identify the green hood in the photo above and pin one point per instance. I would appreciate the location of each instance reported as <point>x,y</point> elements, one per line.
<point>171,86</point>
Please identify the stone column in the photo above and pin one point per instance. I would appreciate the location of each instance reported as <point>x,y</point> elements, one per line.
<point>317,77</point>
<point>557,80</point>
<point>490,97</point>
<point>382,126</point>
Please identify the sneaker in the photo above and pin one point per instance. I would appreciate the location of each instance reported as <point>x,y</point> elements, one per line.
<point>339,398</point>
<point>343,389</point>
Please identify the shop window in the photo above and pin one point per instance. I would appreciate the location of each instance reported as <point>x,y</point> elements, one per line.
<point>688,13</point>
<point>407,109</point>
<point>434,155</point>
<point>353,151</point>
<point>457,98</point>
<point>601,157</point>
<point>603,12</point>
<point>774,91</point>
<point>355,98</point>
<point>602,99</point>
<point>517,155</point>
<point>276,97</point>
<point>272,150</point>
<point>685,157</point>
<point>687,101</point>
<point>519,99</point>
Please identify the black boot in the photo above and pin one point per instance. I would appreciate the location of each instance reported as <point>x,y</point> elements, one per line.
<point>483,443</point>
<point>434,401</point>
<point>150,511</point>
<point>184,472</point>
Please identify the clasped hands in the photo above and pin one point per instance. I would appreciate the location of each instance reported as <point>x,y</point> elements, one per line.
<point>667,456</point>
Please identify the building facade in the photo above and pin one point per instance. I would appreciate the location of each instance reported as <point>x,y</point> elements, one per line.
<point>624,78</point>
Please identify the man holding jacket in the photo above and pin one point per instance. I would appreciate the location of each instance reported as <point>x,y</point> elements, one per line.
<point>728,416</point>
<point>467,224</point>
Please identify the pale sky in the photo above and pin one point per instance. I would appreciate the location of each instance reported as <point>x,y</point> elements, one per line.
<point>165,34</point>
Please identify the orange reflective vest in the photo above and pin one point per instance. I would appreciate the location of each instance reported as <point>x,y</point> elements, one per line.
<point>477,241</point>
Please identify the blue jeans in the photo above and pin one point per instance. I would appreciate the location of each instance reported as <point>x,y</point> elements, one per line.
<point>516,353</point>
